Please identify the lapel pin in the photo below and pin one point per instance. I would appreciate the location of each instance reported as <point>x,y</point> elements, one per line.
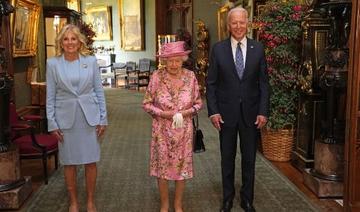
<point>84,65</point>
<point>251,47</point>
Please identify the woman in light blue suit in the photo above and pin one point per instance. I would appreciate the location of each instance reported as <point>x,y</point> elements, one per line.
<point>76,110</point>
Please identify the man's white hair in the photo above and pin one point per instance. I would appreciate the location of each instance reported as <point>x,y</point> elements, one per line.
<point>237,9</point>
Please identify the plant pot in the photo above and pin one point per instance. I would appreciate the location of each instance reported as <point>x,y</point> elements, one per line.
<point>277,144</point>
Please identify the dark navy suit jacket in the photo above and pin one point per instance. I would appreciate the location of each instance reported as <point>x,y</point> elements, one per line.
<point>225,90</point>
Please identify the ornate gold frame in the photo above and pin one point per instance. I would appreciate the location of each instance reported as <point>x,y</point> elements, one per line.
<point>100,18</point>
<point>222,25</point>
<point>24,27</point>
<point>132,25</point>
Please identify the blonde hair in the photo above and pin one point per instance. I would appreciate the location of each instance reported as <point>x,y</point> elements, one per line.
<point>84,49</point>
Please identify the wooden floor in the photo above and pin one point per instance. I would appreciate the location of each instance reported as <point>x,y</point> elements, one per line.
<point>296,177</point>
<point>34,168</point>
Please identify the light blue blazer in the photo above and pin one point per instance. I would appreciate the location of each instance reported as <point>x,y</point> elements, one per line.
<point>62,98</point>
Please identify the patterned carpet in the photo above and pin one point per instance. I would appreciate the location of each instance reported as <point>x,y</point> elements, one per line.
<point>124,184</point>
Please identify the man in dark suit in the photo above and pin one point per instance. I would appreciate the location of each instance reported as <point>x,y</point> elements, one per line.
<point>238,103</point>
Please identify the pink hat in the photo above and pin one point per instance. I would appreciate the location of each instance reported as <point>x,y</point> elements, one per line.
<point>173,49</point>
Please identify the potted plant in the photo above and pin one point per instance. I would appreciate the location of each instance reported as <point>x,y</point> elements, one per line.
<point>279,29</point>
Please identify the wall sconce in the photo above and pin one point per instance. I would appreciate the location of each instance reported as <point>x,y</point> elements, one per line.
<point>56,23</point>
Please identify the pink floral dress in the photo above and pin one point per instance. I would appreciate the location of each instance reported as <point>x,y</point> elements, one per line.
<point>171,149</point>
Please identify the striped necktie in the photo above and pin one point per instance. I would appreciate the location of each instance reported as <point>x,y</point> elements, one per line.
<point>239,61</point>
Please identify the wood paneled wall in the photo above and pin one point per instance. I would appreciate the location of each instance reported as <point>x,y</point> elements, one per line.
<point>352,146</point>
<point>162,18</point>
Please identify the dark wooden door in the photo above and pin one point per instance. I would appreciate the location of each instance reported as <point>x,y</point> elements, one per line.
<point>61,16</point>
<point>6,74</point>
<point>352,144</point>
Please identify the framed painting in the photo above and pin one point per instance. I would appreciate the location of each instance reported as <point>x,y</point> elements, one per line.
<point>132,25</point>
<point>100,18</point>
<point>25,23</point>
<point>222,25</point>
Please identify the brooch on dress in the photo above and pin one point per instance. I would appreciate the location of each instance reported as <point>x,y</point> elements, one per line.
<point>84,65</point>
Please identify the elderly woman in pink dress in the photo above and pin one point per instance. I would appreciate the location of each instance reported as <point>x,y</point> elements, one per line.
<point>172,98</point>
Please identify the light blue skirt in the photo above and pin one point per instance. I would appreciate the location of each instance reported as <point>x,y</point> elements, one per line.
<point>80,145</point>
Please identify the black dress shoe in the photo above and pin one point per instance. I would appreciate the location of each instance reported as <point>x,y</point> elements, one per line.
<point>247,206</point>
<point>226,207</point>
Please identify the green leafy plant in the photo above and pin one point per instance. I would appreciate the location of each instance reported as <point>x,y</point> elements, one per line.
<point>88,31</point>
<point>279,29</point>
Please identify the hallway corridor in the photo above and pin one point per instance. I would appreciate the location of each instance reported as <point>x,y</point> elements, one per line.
<point>125,186</point>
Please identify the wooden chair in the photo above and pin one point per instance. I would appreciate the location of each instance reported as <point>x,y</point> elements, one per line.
<point>105,69</point>
<point>104,74</point>
<point>132,74</point>
<point>120,73</point>
<point>32,145</point>
<point>143,73</point>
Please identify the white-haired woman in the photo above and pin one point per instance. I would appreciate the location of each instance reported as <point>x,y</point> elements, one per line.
<point>172,98</point>
<point>76,110</point>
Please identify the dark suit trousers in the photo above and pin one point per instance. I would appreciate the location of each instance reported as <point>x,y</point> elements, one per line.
<point>248,145</point>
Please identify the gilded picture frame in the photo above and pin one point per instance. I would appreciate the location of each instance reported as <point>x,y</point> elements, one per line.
<point>24,27</point>
<point>132,25</point>
<point>100,18</point>
<point>260,9</point>
<point>222,25</point>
